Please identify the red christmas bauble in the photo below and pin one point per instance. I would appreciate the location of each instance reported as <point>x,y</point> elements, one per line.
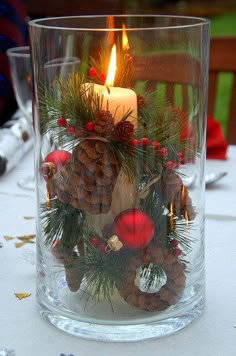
<point>134,228</point>
<point>59,158</point>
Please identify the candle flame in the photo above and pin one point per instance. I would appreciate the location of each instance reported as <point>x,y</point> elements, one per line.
<point>111,68</point>
<point>125,42</point>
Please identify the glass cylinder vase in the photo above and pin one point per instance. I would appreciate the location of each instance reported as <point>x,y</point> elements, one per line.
<point>120,117</point>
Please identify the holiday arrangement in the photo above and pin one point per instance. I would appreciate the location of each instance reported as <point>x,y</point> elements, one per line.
<point>116,210</point>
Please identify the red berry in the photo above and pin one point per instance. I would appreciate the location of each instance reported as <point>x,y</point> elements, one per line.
<point>180,155</point>
<point>103,77</point>
<point>144,141</point>
<point>89,126</point>
<point>61,122</point>
<point>169,165</point>
<point>155,145</point>
<point>174,243</point>
<point>177,252</point>
<point>92,72</point>
<point>134,142</point>
<point>70,130</point>
<point>78,133</point>
<point>102,248</point>
<point>94,241</point>
<point>163,152</point>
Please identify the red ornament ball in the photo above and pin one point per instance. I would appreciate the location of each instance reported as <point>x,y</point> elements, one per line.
<point>134,228</point>
<point>59,158</point>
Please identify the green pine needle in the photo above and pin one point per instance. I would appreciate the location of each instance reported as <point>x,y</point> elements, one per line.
<point>62,222</point>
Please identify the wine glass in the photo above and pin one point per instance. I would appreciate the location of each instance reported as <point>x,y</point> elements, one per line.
<point>21,74</point>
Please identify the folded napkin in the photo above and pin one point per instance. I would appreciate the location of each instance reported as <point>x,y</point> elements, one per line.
<point>16,139</point>
<point>216,146</point>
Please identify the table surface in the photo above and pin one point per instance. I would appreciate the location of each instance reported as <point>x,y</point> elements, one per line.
<point>22,329</point>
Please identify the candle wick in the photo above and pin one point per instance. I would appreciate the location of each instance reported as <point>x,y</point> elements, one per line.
<point>108,90</point>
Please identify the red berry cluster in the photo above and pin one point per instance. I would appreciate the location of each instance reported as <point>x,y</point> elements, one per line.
<point>174,244</point>
<point>71,130</point>
<point>92,73</point>
<point>161,151</point>
<point>101,246</point>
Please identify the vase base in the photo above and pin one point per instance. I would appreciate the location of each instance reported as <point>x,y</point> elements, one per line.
<point>123,333</point>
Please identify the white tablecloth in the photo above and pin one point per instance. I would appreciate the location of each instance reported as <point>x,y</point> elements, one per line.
<point>23,330</point>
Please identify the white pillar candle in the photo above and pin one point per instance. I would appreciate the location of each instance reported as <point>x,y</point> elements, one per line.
<point>118,101</point>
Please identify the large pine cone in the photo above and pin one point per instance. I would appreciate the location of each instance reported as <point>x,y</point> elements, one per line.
<point>87,181</point>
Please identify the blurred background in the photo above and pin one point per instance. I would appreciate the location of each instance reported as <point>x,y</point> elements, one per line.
<point>221,13</point>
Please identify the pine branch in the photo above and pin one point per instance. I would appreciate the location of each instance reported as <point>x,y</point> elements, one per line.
<point>63,223</point>
<point>102,271</point>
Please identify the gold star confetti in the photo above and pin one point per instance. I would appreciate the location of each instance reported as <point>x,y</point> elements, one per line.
<point>22,295</point>
<point>8,238</point>
<point>26,238</point>
<point>19,244</point>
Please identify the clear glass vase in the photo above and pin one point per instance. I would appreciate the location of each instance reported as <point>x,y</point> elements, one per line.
<point>120,152</point>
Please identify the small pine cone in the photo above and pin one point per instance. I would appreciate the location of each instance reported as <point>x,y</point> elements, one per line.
<point>123,131</point>
<point>141,101</point>
<point>104,123</point>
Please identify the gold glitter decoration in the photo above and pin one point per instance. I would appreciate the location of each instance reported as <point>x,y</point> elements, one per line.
<point>26,238</point>
<point>22,295</point>
<point>8,238</point>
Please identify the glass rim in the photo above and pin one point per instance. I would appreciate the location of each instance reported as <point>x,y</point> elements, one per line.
<point>200,21</point>
<point>18,51</point>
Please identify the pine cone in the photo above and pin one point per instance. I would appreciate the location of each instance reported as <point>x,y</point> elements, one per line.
<point>141,101</point>
<point>123,131</point>
<point>171,190</point>
<point>87,181</point>
<point>104,123</point>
